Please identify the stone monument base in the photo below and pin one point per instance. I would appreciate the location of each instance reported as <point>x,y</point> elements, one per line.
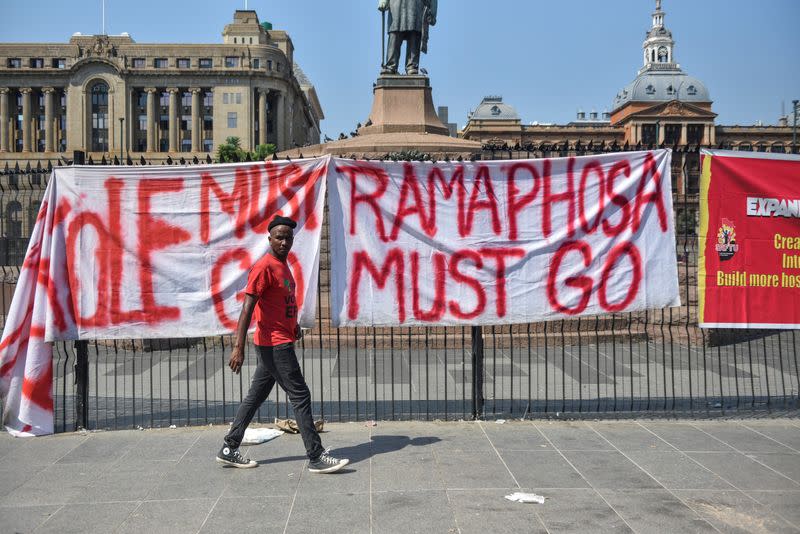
<point>402,119</point>
<point>403,104</point>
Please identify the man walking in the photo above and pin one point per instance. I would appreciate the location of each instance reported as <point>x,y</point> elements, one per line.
<point>270,292</point>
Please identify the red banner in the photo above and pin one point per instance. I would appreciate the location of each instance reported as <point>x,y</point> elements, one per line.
<point>749,258</point>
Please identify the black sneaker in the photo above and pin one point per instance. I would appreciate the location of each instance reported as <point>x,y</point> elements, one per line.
<point>233,457</point>
<point>327,464</point>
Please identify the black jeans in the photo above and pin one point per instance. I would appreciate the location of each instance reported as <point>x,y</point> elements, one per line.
<point>278,364</point>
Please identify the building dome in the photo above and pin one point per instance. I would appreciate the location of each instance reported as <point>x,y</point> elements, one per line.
<point>663,86</point>
<point>493,108</point>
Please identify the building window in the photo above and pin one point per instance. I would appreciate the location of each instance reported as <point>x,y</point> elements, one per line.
<point>672,134</point>
<point>650,90</point>
<point>256,63</point>
<point>231,119</point>
<point>185,131</point>
<point>746,147</point>
<point>269,64</point>
<point>14,63</point>
<point>238,98</point>
<point>208,120</point>
<point>670,90</point>
<point>225,98</point>
<point>138,63</point>
<point>649,134</point>
<point>100,117</point>
<point>160,63</point>
<point>183,63</point>
<point>37,63</point>
<point>694,134</point>
<point>231,62</point>
<point>762,147</point>
<point>59,63</point>
<point>691,90</point>
<point>279,66</point>
<point>777,148</point>
<point>205,63</point>
<point>234,40</point>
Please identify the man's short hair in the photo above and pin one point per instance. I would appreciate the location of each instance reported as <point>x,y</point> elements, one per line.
<point>282,221</point>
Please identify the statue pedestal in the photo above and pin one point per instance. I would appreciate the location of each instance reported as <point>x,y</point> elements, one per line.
<point>403,104</point>
<point>403,118</point>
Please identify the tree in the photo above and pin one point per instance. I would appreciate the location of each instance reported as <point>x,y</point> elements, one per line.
<point>231,150</point>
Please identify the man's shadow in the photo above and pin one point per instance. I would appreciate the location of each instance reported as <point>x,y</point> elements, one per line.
<point>363,451</point>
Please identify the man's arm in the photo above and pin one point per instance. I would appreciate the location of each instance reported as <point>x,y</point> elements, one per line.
<point>237,354</point>
<point>432,8</point>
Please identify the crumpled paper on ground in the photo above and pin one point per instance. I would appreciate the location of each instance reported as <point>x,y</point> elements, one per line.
<point>525,497</point>
<point>290,425</point>
<point>254,436</point>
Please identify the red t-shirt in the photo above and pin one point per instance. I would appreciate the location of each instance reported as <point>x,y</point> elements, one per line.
<point>271,282</point>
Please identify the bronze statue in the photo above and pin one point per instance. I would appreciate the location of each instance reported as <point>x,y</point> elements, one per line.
<point>408,21</point>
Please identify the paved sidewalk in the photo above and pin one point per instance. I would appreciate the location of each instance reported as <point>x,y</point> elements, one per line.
<point>404,477</point>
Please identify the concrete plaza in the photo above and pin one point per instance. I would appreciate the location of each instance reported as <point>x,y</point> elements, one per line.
<point>739,475</point>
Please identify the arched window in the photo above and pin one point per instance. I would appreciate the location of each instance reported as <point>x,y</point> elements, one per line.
<point>650,90</point>
<point>100,117</point>
<point>777,148</point>
<point>691,90</point>
<point>745,147</point>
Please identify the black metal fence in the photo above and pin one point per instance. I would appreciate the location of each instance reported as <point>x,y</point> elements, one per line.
<point>651,362</point>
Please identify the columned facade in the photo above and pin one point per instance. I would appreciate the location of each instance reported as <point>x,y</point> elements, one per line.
<point>4,120</point>
<point>107,95</point>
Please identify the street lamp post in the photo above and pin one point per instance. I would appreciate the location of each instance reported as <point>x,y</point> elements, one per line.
<point>794,126</point>
<point>121,137</point>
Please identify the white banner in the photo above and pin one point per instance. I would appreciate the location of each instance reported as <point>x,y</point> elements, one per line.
<point>148,252</point>
<point>500,242</point>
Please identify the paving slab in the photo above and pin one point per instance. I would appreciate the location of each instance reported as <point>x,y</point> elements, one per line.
<point>480,511</point>
<point>743,472</point>
<point>248,514</point>
<point>655,511</point>
<point>542,469</point>
<point>412,512</point>
<point>576,436</point>
<point>676,470</point>
<point>734,512</point>
<point>88,518</point>
<point>610,470</point>
<point>742,438</point>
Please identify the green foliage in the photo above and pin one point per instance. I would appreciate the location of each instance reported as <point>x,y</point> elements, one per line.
<point>262,151</point>
<point>231,151</point>
<point>409,155</point>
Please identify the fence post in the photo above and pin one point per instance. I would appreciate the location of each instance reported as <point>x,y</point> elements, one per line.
<point>477,372</point>
<point>81,385</point>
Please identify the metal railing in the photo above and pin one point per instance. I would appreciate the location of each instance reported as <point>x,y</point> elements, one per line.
<point>651,362</point>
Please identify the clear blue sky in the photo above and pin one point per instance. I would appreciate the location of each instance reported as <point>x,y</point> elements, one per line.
<point>546,58</point>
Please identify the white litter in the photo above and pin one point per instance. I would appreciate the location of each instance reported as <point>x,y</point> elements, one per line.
<point>254,436</point>
<point>173,426</point>
<point>500,421</point>
<point>525,497</point>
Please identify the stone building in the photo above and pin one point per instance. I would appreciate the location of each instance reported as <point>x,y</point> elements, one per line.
<point>107,95</point>
<point>662,106</point>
